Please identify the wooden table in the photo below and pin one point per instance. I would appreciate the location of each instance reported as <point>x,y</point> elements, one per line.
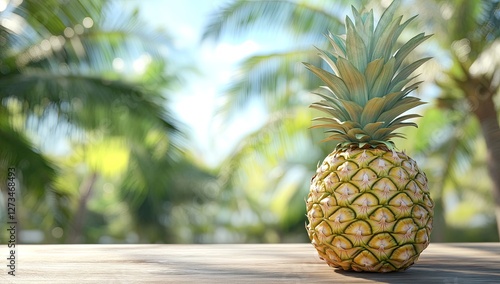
<point>238,263</point>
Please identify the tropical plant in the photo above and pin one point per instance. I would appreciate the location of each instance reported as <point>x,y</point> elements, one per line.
<point>369,206</point>
<point>280,81</point>
<point>89,74</point>
<point>471,84</point>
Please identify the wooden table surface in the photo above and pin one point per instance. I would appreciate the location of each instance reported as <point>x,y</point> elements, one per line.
<point>238,263</point>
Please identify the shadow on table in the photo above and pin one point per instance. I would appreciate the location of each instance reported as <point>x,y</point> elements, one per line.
<point>442,268</point>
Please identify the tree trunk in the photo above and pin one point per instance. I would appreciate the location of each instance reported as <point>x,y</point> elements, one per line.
<point>491,132</point>
<point>439,226</point>
<point>483,106</point>
<point>85,191</point>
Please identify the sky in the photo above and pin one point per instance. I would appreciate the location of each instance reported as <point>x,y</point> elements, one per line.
<point>195,102</point>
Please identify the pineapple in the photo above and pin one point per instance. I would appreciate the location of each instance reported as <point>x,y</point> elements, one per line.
<point>368,207</point>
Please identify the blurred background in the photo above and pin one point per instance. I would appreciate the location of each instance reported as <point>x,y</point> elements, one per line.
<point>188,121</point>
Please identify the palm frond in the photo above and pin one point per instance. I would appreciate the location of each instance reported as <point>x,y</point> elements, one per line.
<point>266,77</point>
<point>274,76</point>
<point>56,70</point>
<point>282,134</point>
<point>88,37</point>
<point>33,169</point>
<point>278,16</point>
<point>58,65</point>
<point>70,93</point>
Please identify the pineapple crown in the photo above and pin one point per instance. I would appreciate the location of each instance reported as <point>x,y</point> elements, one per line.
<point>367,93</point>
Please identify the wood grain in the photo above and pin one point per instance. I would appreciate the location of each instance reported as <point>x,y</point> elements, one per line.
<point>238,263</point>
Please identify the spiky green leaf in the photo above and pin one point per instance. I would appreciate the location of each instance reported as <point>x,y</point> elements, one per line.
<point>372,110</point>
<point>385,43</point>
<point>335,105</point>
<point>371,128</point>
<point>372,71</point>
<point>407,47</point>
<point>335,83</point>
<point>398,86</point>
<point>372,91</point>
<point>400,108</point>
<point>330,59</point>
<point>406,71</point>
<point>353,109</point>
<point>338,44</point>
<point>356,47</point>
<point>403,118</point>
<point>385,20</point>
<point>354,81</point>
<point>383,80</point>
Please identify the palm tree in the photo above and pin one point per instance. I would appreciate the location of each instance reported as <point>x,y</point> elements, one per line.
<point>278,79</point>
<point>470,84</point>
<point>472,80</point>
<point>64,73</point>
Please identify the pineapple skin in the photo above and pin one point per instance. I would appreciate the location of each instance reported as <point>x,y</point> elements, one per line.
<point>369,210</point>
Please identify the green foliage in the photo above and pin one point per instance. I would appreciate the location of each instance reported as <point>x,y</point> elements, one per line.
<point>368,87</point>
<point>272,75</point>
<point>61,74</point>
<point>445,144</point>
<point>239,17</point>
<point>58,75</point>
